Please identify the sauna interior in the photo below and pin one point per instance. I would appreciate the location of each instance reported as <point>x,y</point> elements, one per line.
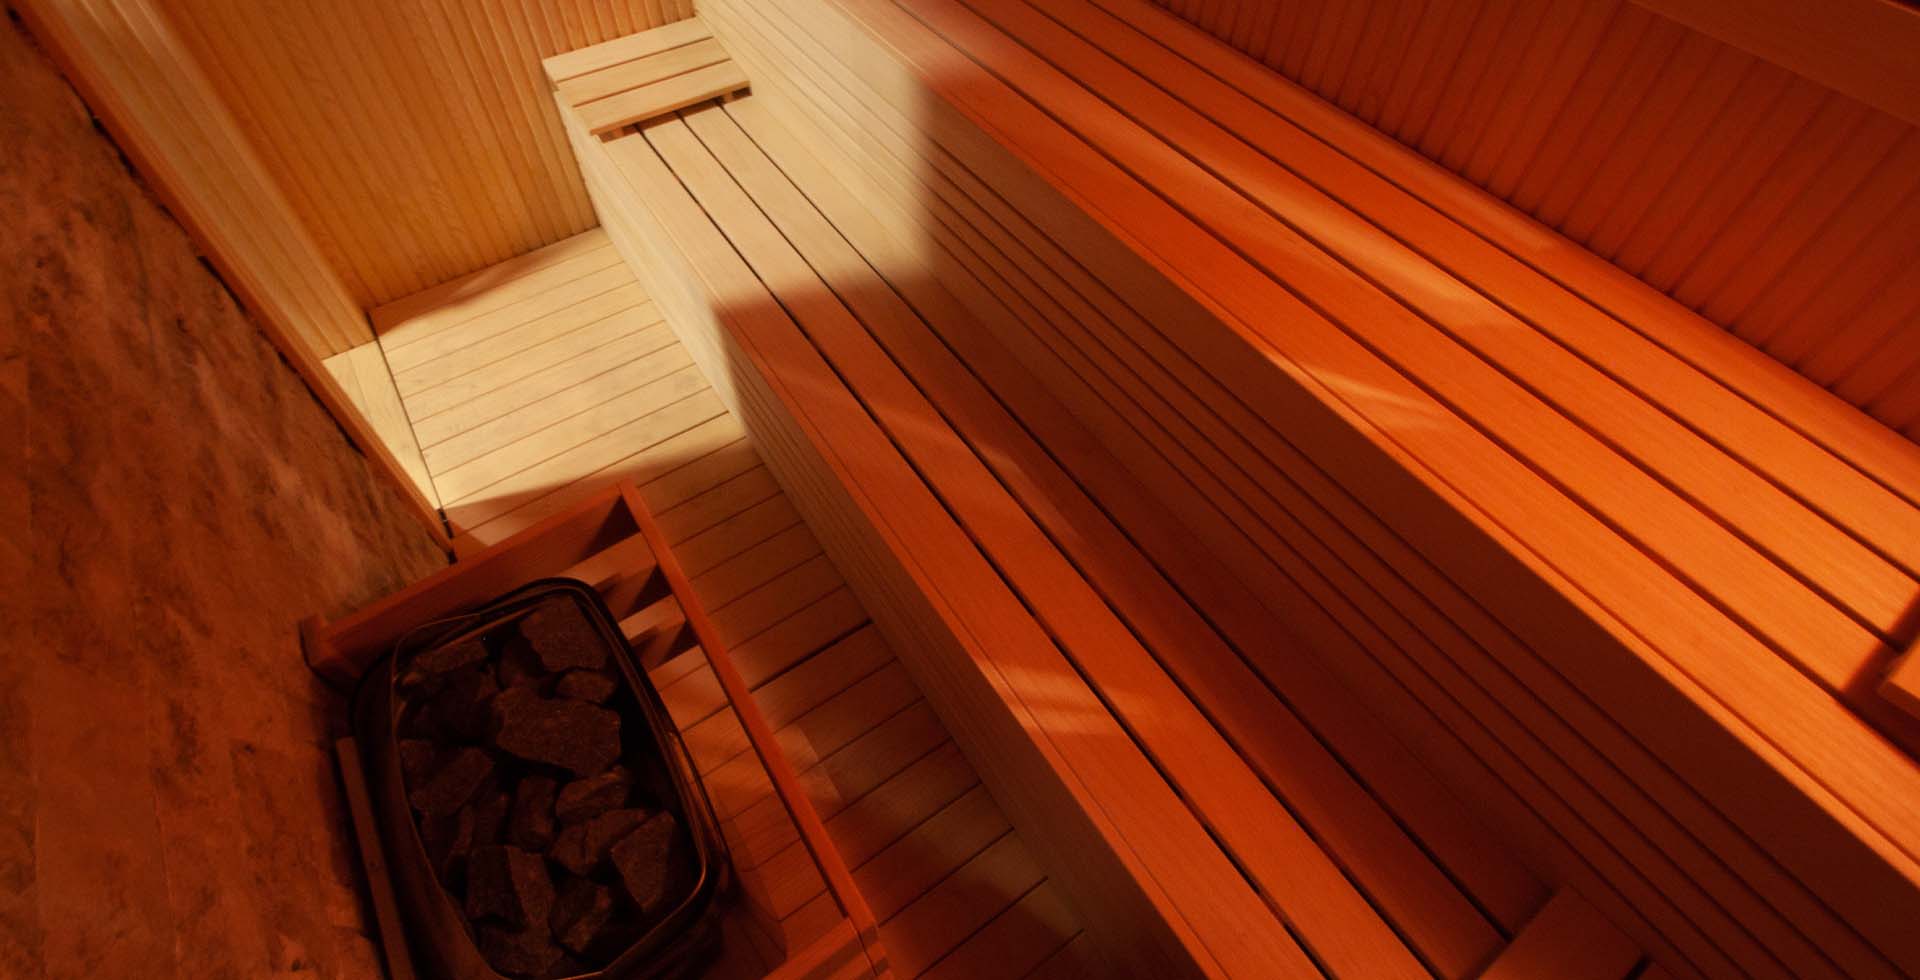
<point>1368,489</point>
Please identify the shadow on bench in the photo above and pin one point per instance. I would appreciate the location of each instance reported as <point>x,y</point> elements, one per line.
<point>1263,511</point>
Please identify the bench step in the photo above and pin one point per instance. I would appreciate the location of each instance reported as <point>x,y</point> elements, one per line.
<point>643,76</point>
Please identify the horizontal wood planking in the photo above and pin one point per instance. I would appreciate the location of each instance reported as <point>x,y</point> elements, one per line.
<point>1569,940</point>
<point>1003,185</point>
<point>649,247</point>
<point>1514,900</point>
<point>171,115</point>
<point>1700,167</point>
<point>1337,810</point>
<point>363,376</point>
<point>413,139</point>
<point>661,97</point>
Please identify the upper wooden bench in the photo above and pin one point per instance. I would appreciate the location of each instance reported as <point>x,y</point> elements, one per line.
<point>1202,438</point>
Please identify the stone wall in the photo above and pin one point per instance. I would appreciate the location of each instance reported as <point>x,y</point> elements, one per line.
<point>174,502</point>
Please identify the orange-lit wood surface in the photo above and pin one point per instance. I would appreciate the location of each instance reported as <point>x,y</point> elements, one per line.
<point>933,862</point>
<point>171,121</point>
<point>1492,494</point>
<point>172,117</point>
<point>412,138</point>
<point>1749,189</point>
<point>553,377</point>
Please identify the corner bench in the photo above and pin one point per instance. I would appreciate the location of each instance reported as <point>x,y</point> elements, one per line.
<point>1265,510</point>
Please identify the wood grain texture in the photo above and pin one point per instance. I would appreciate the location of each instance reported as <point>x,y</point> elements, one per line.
<point>173,118</point>
<point>169,117</point>
<point>415,140</point>
<point>1622,819</point>
<point>1567,940</point>
<point>1755,194</point>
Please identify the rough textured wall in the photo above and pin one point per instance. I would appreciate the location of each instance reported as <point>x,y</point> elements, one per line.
<point>175,501</point>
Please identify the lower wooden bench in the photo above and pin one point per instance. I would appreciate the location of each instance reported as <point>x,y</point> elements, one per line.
<point>1250,614</point>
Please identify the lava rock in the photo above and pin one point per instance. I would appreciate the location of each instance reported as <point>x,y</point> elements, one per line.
<point>581,847</point>
<point>646,861</point>
<point>523,952</point>
<point>417,756</point>
<point>448,841</point>
<point>573,735</point>
<point>530,825</point>
<point>586,685</point>
<point>488,810</point>
<point>509,884</point>
<point>562,637</point>
<point>584,799</point>
<point>518,665</point>
<point>418,723</point>
<point>464,706</point>
<point>453,784</point>
<point>427,664</point>
<point>580,912</point>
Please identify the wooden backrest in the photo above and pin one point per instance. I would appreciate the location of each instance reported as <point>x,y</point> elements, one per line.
<point>1755,160</point>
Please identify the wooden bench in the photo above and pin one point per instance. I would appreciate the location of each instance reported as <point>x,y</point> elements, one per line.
<point>1236,476</point>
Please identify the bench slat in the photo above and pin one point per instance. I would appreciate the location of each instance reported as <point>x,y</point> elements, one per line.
<point>1340,814</point>
<point>987,719</point>
<point>1568,940</point>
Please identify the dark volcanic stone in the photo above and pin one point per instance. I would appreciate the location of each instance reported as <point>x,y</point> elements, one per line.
<point>523,952</point>
<point>530,825</point>
<point>417,722</point>
<point>442,660</point>
<point>586,798</point>
<point>509,884</point>
<point>464,706</point>
<point>518,664</point>
<point>586,685</point>
<point>580,911</point>
<point>489,813</point>
<point>573,735</point>
<point>417,756</point>
<point>584,845</point>
<point>562,637</point>
<point>647,862</point>
<point>448,841</point>
<point>453,783</point>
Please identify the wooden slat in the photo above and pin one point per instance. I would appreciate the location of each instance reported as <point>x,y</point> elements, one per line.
<point>812,832</point>
<point>1550,87</point>
<point>1232,801</point>
<point>971,897</point>
<point>362,375</point>
<point>1863,48</point>
<point>1902,686</point>
<point>1520,900</point>
<point>166,113</point>
<point>1171,319</point>
<point>607,54</point>
<point>641,71</point>
<point>1568,939</point>
<point>478,369</point>
<point>658,98</point>
<point>412,138</point>
<point>659,196</point>
<point>1151,613</point>
<point>140,75</point>
<point>1354,372</point>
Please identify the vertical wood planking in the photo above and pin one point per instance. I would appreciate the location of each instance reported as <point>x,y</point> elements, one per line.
<point>415,139</point>
<point>1712,174</point>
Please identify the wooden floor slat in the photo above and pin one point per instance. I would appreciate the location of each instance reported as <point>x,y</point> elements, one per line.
<point>561,379</point>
